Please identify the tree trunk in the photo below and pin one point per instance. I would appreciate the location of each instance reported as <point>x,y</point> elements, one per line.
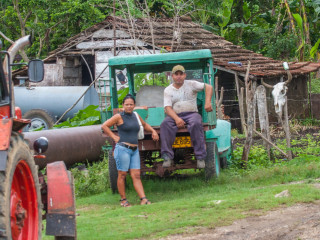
<point>287,130</point>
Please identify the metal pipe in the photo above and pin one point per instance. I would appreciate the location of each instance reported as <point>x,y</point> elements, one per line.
<point>8,60</point>
<point>71,145</point>
<point>18,45</point>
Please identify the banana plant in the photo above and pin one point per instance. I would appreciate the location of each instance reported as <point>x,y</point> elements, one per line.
<point>300,49</point>
<point>224,16</point>
<point>314,52</point>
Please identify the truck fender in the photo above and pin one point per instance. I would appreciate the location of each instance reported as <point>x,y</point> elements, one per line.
<point>222,134</point>
<point>61,218</point>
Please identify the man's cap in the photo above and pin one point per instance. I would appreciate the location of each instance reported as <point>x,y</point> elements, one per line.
<point>178,68</point>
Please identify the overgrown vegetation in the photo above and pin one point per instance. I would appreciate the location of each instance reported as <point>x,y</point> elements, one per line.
<point>315,85</point>
<point>85,117</point>
<point>91,179</point>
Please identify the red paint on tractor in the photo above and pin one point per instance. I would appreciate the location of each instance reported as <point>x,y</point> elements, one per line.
<point>60,194</point>
<point>5,133</point>
<point>5,112</point>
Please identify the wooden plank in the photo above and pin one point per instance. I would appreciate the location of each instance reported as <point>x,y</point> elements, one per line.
<point>109,44</point>
<point>108,33</point>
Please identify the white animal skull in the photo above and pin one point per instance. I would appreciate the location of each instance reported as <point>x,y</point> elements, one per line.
<point>279,93</point>
<point>279,96</point>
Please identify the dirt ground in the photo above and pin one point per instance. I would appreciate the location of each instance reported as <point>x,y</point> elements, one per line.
<point>301,221</point>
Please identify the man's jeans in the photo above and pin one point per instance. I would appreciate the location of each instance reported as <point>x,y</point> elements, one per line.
<point>168,130</point>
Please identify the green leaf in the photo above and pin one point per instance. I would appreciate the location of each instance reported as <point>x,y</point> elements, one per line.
<point>299,21</point>
<point>246,11</point>
<point>314,49</point>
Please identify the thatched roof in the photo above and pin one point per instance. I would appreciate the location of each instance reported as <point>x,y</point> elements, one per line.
<point>183,35</point>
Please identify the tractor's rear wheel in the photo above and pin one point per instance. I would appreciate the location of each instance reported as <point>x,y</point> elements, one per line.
<point>113,172</point>
<point>212,167</point>
<point>20,208</point>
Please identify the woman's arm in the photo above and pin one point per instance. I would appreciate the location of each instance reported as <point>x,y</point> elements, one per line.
<point>109,123</point>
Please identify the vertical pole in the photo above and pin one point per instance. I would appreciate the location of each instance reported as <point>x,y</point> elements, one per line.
<point>240,102</point>
<point>263,115</point>
<point>212,118</point>
<point>114,29</point>
<point>287,129</point>
<point>250,110</point>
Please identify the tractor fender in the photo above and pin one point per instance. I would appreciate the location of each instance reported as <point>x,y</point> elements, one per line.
<point>221,134</point>
<point>61,219</point>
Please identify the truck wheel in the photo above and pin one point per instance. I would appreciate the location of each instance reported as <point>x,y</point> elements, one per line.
<point>212,167</point>
<point>20,208</point>
<point>39,118</point>
<point>113,172</point>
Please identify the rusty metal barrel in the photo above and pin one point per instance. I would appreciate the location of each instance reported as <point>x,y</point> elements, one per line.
<point>71,145</point>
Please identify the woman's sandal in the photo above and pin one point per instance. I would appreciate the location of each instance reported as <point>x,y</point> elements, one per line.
<point>124,202</point>
<point>146,202</point>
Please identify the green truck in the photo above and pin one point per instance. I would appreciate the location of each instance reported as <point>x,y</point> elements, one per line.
<point>199,65</point>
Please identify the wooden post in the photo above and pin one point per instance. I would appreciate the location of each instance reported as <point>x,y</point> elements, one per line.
<point>241,108</point>
<point>287,129</point>
<point>250,105</point>
<point>218,99</point>
<point>263,115</point>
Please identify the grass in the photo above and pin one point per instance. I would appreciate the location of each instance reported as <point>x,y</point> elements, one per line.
<point>185,203</point>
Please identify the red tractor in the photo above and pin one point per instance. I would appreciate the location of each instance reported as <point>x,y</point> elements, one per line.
<point>24,194</point>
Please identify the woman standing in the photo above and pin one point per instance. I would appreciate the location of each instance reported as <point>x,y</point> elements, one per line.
<point>126,152</point>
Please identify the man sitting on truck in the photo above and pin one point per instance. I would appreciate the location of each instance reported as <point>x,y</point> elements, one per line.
<point>180,103</point>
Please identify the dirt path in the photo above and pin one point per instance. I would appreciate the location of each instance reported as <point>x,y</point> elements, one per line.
<point>301,221</point>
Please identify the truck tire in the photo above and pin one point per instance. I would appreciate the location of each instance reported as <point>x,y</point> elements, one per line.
<point>113,172</point>
<point>212,167</point>
<point>20,194</point>
<point>39,118</point>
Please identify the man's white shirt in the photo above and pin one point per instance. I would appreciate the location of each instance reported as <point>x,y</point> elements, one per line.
<point>183,99</point>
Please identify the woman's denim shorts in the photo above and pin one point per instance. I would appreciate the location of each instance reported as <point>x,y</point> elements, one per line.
<point>126,158</point>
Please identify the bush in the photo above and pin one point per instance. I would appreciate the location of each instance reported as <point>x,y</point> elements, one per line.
<point>91,180</point>
<point>258,157</point>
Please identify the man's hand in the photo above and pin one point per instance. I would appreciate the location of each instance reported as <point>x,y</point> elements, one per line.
<point>208,107</point>
<point>180,123</point>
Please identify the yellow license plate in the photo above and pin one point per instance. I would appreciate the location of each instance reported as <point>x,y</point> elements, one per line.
<point>182,142</point>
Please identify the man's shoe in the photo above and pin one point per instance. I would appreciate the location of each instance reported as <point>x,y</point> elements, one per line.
<point>166,161</point>
<point>200,163</point>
